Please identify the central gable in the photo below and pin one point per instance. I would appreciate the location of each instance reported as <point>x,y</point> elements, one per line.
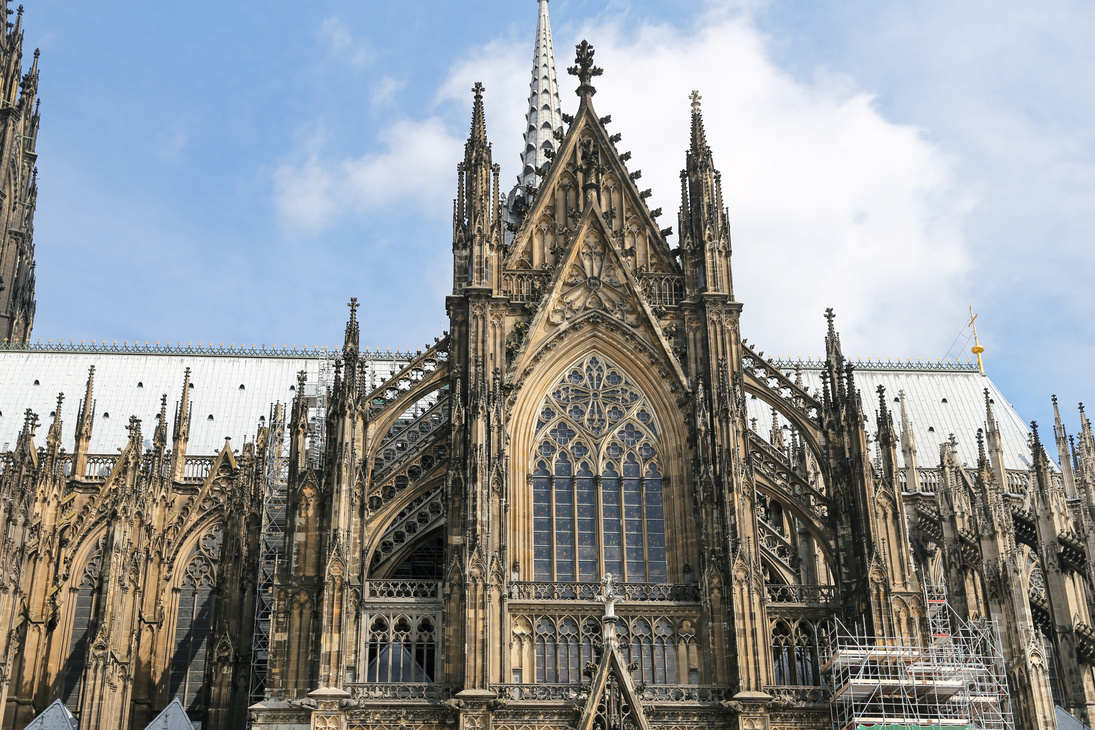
<point>588,169</point>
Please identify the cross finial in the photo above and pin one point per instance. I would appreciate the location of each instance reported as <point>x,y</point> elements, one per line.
<point>584,69</point>
<point>478,89</point>
<point>696,101</point>
<point>353,305</point>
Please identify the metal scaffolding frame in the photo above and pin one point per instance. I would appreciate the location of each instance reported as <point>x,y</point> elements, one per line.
<point>271,545</point>
<point>954,677</point>
<point>317,425</point>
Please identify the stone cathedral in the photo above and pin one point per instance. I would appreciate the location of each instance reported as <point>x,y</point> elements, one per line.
<point>589,505</point>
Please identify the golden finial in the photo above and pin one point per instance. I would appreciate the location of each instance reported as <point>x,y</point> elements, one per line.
<point>976,349</point>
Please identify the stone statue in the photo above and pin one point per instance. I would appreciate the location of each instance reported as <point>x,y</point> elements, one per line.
<point>608,595</point>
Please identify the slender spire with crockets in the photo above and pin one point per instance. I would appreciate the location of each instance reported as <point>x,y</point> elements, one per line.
<point>545,114</point>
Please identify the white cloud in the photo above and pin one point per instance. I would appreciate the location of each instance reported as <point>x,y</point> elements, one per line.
<point>831,203</point>
<point>416,169</point>
<point>342,45</point>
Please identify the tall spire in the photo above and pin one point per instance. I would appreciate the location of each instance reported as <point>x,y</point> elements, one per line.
<point>543,121</point>
<point>477,224</point>
<point>545,113</point>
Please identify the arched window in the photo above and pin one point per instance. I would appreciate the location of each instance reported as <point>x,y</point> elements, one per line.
<point>402,649</point>
<point>794,653</point>
<point>84,615</point>
<point>783,653</point>
<point>649,643</point>
<point>194,622</point>
<point>597,480</point>
<point>563,649</point>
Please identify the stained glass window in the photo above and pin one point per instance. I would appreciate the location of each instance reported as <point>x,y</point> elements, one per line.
<point>194,622</point>
<point>597,480</point>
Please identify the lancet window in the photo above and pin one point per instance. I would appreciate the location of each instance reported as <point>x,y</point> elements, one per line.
<point>84,614</point>
<point>597,480</point>
<point>795,654</point>
<point>402,648</point>
<point>194,620</point>
<point>564,648</point>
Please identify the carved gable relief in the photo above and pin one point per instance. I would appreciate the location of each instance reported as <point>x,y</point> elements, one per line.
<point>594,280</point>
<point>589,170</point>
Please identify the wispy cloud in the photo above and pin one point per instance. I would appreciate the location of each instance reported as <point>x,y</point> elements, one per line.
<point>343,45</point>
<point>415,169</point>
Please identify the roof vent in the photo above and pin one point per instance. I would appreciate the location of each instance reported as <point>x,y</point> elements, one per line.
<point>191,385</point>
<point>931,429</point>
<point>106,415</point>
<point>140,384</point>
<point>944,400</point>
<point>293,387</point>
<point>241,387</point>
<point>210,417</point>
<point>36,382</point>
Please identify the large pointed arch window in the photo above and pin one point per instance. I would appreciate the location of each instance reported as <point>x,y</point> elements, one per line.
<point>597,480</point>
<point>85,612</point>
<point>194,621</point>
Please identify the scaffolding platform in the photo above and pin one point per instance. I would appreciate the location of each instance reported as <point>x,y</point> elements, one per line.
<point>953,677</point>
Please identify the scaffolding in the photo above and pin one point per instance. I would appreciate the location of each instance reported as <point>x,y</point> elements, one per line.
<point>316,399</point>
<point>271,545</point>
<point>953,678</point>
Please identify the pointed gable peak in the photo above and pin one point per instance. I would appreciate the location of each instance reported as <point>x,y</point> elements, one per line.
<point>173,717</point>
<point>54,717</point>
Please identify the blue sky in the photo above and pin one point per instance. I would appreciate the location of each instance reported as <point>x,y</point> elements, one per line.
<point>235,171</point>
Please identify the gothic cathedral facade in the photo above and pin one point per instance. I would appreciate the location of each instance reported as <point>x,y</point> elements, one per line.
<point>562,514</point>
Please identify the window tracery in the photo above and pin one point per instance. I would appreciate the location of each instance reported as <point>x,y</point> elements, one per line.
<point>795,652</point>
<point>194,620</point>
<point>402,648</point>
<point>597,479</point>
<point>84,614</point>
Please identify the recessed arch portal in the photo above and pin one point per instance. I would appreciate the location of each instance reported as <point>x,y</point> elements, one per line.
<point>597,478</point>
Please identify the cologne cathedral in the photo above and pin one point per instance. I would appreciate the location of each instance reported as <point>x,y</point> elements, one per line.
<point>589,505</point>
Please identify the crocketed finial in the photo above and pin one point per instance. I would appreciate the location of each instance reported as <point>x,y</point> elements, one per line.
<point>584,69</point>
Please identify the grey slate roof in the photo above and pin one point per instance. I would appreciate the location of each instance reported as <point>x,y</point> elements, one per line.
<point>56,717</point>
<point>940,402</point>
<point>132,383</point>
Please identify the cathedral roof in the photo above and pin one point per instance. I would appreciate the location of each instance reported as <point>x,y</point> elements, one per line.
<point>941,400</point>
<point>230,393</point>
<point>54,717</point>
<point>172,718</point>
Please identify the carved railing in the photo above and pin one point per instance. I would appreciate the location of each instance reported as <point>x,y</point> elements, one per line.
<point>653,693</point>
<point>401,691</point>
<point>662,289</point>
<point>178,348</point>
<point>418,516</point>
<point>780,385</point>
<point>805,594</point>
<point>770,462</point>
<point>417,369</point>
<point>62,467</point>
<point>798,696</point>
<point>583,591</point>
<point>401,590</point>
<point>702,694</point>
<point>956,366</point>
<point>100,467</point>
<point>525,286</point>
<point>541,692</point>
<point>1017,481</point>
<point>197,468</point>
